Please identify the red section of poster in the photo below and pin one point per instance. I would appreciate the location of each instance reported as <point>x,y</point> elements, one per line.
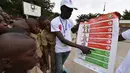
<point>102,41</point>
<point>109,35</point>
<point>102,24</point>
<point>104,17</point>
<point>108,29</point>
<point>99,46</point>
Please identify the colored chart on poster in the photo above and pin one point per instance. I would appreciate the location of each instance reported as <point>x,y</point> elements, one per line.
<point>100,34</point>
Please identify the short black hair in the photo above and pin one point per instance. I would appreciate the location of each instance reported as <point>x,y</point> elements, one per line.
<point>42,18</point>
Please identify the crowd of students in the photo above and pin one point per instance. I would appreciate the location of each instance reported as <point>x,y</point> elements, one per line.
<point>16,36</point>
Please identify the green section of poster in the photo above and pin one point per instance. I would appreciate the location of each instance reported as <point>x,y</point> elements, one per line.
<point>101,52</point>
<point>96,62</point>
<point>98,57</point>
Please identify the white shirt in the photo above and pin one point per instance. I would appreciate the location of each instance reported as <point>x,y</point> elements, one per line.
<point>64,26</point>
<point>126,35</point>
<point>125,65</point>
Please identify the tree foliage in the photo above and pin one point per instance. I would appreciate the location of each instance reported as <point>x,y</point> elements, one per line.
<point>126,15</point>
<point>15,7</point>
<point>86,17</point>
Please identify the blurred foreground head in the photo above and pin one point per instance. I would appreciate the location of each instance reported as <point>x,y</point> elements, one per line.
<point>18,52</point>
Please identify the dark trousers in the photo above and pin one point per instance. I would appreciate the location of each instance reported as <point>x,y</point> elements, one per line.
<point>52,56</point>
<point>60,59</point>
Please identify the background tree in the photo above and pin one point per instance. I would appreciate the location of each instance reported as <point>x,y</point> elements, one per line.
<point>86,17</point>
<point>15,7</point>
<point>54,14</point>
<point>126,15</point>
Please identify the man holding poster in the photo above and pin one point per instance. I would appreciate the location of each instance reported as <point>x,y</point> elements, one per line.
<point>61,26</point>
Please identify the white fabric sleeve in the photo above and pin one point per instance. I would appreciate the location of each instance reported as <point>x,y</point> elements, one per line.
<point>125,66</point>
<point>55,26</point>
<point>126,35</point>
<point>72,23</point>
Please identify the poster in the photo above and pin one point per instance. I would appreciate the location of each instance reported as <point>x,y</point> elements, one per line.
<point>100,34</point>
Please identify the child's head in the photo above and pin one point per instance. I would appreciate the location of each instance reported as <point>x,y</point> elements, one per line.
<point>44,22</point>
<point>21,24</point>
<point>18,52</point>
<point>34,25</point>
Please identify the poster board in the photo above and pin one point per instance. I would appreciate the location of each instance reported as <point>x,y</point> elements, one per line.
<point>31,9</point>
<point>101,34</point>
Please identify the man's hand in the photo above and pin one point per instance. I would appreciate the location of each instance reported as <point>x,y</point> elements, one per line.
<point>85,49</point>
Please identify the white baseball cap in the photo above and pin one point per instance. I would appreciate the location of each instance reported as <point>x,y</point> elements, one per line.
<point>68,3</point>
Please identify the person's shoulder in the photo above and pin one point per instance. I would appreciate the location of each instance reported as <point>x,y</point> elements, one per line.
<point>55,20</point>
<point>71,22</point>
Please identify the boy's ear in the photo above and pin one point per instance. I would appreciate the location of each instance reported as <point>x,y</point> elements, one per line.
<point>6,62</point>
